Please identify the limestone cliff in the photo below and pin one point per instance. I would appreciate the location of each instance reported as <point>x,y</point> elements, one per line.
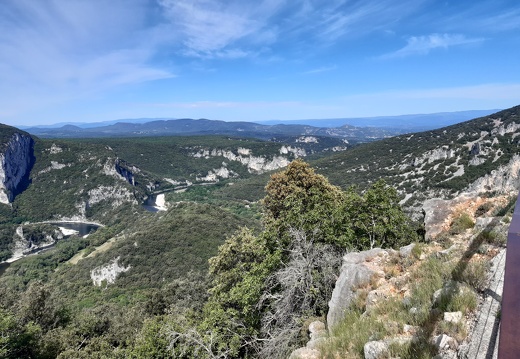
<point>16,161</point>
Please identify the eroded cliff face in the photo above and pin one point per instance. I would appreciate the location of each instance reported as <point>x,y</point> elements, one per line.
<point>16,161</point>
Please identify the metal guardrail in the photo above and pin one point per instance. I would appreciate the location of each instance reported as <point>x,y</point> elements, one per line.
<point>509,340</point>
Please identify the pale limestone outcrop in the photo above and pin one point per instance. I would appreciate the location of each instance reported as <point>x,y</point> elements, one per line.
<point>307,139</point>
<point>107,272</point>
<point>318,336</point>
<point>217,173</point>
<point>298,152</point>
<point>376,350</point>
<point>16,162</point>
<point>116,194</point>
<point>504,179</point>
<point>254,164</point>
<point>354,274</point>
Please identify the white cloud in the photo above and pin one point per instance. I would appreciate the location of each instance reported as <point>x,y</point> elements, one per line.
<point>422,45</point>
<point>209,28</point>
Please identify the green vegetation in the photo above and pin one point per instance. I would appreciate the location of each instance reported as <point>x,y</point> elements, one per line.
<point>221,273</point>
<point>265,286</point>
<point>462,222</point>
<point>264,281</point>
<point>393,157</point>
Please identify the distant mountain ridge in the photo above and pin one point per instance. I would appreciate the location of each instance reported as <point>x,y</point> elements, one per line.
<point>409,123</point>
<point>427,121</point>
<point>190,127</point>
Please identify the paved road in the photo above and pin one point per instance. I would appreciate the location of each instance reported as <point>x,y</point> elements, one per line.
<point>483,343</point>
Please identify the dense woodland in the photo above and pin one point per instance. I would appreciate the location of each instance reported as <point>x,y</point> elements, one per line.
<point>185,298</point>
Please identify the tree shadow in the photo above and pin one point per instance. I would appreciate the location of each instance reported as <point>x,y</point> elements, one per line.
<point>421,346</point>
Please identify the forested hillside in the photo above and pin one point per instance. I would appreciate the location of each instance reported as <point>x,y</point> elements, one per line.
<point>157,303</point>
<point>215,271</point>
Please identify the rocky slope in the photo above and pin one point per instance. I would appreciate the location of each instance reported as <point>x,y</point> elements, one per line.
<point>406,314</point>
<point>476,157</point>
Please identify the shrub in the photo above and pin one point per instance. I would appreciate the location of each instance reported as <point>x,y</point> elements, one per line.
<point>483,209</point>
<point>461,223</point>
<point>494,237</point>
<point>474,274</point>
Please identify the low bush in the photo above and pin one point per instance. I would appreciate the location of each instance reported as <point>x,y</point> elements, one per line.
<point>474,274</point>
<point>461,223</point>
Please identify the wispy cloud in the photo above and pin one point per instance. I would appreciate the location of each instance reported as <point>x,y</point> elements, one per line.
<point>215,28</point>
<point>422,45</point>
<point>212,29</point>
<point>228,104</point>
<point>56,51</point>
<point>320,70</point>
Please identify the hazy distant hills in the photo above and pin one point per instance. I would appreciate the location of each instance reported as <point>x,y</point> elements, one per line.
<point>405,123</point>
<point>365,129</point>
<point>190,127</point>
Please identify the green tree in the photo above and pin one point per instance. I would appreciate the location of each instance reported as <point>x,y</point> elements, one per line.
<point>16,339</point>
<point>379,219</point>
<point>299,198</point>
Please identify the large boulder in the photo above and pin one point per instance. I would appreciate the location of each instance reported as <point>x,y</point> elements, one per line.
<point>354,274</point>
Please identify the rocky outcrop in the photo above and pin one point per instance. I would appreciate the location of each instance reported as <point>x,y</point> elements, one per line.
<point>376,350</point>
<point>355,273</point>
<point>216,173</point>
<point>116,194</point>
<point>107,273</point>
<point>254,164</point>
<point>16,161</point>
<point>126,171</point>
<point>504,179</point>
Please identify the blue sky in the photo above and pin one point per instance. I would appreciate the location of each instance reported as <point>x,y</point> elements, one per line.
<point>97,60</point>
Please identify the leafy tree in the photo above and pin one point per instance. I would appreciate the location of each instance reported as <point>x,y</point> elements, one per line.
<point>231,317</point>
<point>379,219</point>
<point>301,199</point>
<point>16,339</point>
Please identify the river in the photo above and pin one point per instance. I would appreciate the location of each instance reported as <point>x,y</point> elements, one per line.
<point>155,203</point>
<point>67,228</point>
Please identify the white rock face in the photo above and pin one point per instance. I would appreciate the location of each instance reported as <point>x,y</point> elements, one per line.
<point>216,173</point>
<point>440,153</point>
<point>55,149</point>
<point>107,273</point>
<point>453,317</point>
<point>54,166</point>
<point>15,163</point>
<point>504,179</point>
<point>375,350</point>
<point>354,273</point>
<point>298,152</point>
<point>307,139</point>
<point>118,195</point>
<point>160,202</point>
<point>255,164</point>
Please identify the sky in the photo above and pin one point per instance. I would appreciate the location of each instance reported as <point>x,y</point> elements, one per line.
<point>237,60</point>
